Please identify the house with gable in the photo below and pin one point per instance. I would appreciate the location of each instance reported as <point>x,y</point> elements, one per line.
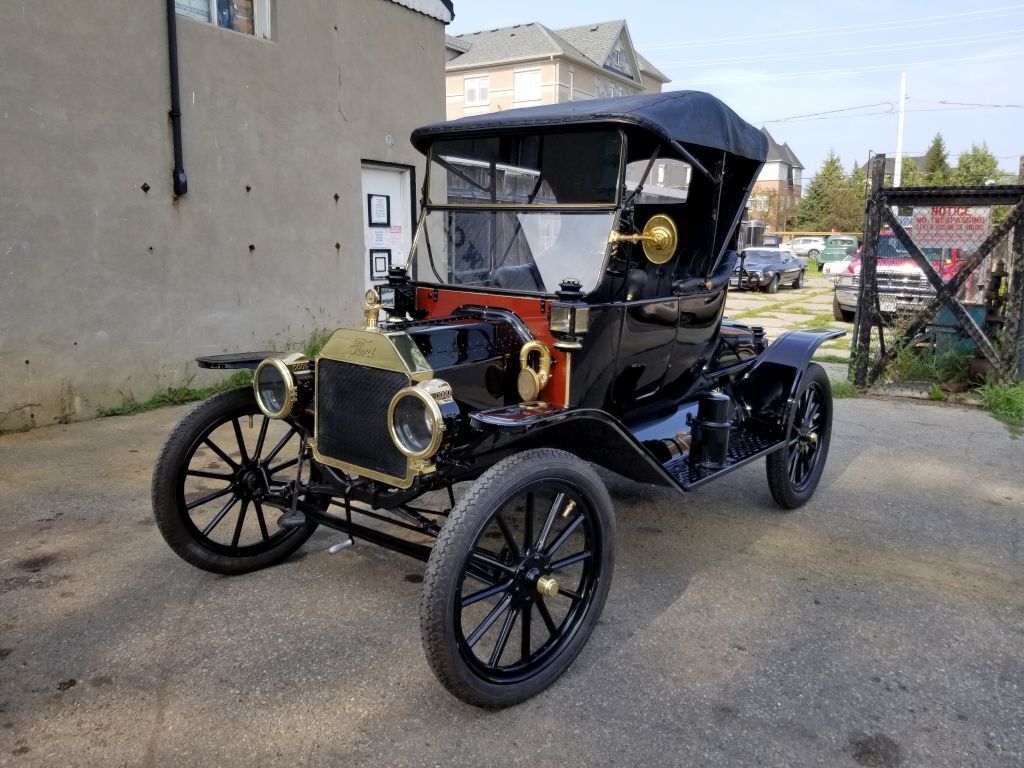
<point>530,64</point>
<point>779,185</point>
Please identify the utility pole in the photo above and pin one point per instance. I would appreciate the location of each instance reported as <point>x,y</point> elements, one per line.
<point>897,172</point>
<point>1020,171</point>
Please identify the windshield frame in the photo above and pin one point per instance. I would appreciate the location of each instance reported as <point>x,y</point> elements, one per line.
<point>550,207</point>
<point>432,278</point>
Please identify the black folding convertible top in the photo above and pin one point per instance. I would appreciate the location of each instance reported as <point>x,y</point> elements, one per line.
<point>689,117</point>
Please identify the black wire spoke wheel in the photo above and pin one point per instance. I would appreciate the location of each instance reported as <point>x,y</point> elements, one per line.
<point>221,481</point>
<point>795,470</point>
<point>518,577</point>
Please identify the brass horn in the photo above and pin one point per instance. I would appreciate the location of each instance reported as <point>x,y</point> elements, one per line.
<point>660,238</point>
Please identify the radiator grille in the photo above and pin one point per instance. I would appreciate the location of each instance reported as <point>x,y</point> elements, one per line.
<point>352,412</point>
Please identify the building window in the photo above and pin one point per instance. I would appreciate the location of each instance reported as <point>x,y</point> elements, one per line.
<point>250,17</point>
<point>526,86</point>
<point>477,92</point>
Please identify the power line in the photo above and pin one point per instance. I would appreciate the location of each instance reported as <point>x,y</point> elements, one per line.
<point>888,47</point>
<point>971,104</point>
<point>888,104</point>
<point>883,113</point>
<point>747,78</point>
<point>833,31</point>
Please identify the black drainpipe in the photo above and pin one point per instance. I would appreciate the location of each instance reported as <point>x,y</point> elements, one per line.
<point>179,177</point>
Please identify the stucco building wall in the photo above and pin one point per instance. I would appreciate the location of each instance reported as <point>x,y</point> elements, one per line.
<point>106,289</point>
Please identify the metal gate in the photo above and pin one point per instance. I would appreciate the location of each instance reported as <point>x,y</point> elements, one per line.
<point>942,268</point>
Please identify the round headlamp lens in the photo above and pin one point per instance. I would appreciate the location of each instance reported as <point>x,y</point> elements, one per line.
<point>275,388</point>
<point>416,423</point>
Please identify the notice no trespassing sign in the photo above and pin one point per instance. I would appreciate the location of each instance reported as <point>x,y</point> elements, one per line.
<point>951,226</point>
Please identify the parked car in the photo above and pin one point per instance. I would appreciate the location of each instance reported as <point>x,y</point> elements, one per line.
<point>837,248</point>
<point>833,269</point>
<point>808,247</point>
<point>547,321</point>
<point>766,269</point>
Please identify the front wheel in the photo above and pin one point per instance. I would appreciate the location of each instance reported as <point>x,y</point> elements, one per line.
<point>813,253</point>
<point>773,286</point>
<point>795,469</point>
<point>217,480</point>
<point>840,314</point>
<point>518,578</point>
<point>799,282</point>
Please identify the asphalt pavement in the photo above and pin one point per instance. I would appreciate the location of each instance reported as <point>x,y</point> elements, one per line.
<point>880,625</point>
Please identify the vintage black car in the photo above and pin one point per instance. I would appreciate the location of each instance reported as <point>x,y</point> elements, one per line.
<point>560,311</point>
<point>766,269</point>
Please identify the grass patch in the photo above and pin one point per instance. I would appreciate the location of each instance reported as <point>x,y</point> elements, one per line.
<point>935,393</point>
<point>1005,402</point>
<point>837,359</point>
<point>844,389</point>
<point>176,395</point>
<point>913,364</point>
<point>820,320</point>
<point>317,338</point>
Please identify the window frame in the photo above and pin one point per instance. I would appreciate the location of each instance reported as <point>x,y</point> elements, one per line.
<point>533,71</point>
<point>262,11</point>
<point>484,102</point>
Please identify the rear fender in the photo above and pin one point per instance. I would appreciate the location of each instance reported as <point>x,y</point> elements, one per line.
<point>769,387</point>
<point>591,434</point>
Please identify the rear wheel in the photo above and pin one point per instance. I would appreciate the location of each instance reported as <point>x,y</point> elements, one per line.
<point>799,282</point>
<point>794,471</point>
<point>217,477</point>
<point>518,578</point>
<point>813,253</point>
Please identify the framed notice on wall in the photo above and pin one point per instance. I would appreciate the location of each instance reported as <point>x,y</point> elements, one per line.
<point>378,209</point>
<point>380,262</point>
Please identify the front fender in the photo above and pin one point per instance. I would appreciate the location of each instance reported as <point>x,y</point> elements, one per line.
<point>591,434</point>
<point>236,360</point>
<point>769,386</point>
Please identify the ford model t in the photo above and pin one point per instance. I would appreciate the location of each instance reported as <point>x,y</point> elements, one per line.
<point>561,310</point>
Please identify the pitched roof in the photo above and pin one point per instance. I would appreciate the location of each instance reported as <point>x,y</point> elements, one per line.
<point>455,43</point>
<point>594,40</point>
<point>649,69</point>
<point>522,41</point>
<point>890,163</point>
<point>442,10</point>
<point>589,44</point>
<point>780,153</point>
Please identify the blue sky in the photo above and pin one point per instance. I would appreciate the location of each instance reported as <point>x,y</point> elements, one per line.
<point>772,61</point>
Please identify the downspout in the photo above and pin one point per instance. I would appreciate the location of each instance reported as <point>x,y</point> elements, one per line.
<point>178,176</point>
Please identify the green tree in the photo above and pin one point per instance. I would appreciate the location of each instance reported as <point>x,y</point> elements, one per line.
<point>911,176</point>
<point>976,166</point>
<point>834,201</point>
<point>936,163</point>
<point>814,206</point>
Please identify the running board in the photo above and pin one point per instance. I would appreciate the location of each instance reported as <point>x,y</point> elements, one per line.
<point>744,447</point>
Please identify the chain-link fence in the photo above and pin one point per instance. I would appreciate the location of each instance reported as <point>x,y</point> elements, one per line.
<point>938,290</point>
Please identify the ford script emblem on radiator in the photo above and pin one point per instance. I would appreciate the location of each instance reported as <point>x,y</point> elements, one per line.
<point>360,348</point>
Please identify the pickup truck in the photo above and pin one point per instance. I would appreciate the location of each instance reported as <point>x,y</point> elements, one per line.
<point>902,284</point>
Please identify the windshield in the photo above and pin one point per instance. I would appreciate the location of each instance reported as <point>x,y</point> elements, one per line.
<point>761,257</point>
<point>578,168</point>
<point>530,251</point>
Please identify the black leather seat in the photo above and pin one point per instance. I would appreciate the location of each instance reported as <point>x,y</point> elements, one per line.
<point>522,277</point>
